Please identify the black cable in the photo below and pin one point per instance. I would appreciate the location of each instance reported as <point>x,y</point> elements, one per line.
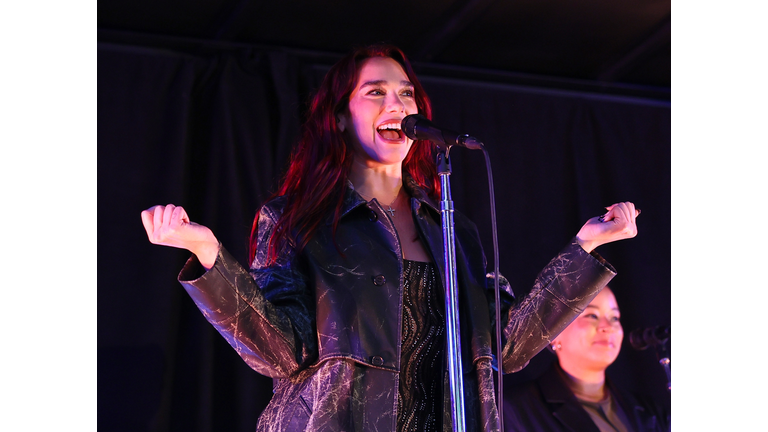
<point>499,367</point>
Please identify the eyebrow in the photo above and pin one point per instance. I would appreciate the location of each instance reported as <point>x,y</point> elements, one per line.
<point>595,307</point>
<point>403,83</point>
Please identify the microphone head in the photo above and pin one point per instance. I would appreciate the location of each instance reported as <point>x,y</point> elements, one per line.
<point>408,125</point>
<point>641,339</point>
<point>418,127</point>
<point>636,340</point>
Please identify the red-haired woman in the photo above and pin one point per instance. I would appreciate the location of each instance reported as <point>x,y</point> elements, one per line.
<point>343,303</point>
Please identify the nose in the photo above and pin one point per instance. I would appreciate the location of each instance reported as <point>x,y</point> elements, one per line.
<point>604,325</point>
<point>393,103</point>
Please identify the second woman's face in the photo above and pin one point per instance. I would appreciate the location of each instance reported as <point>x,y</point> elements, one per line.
<point>382,97</point>
<point>593,340</point>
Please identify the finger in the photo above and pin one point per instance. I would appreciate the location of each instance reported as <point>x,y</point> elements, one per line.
<point>607,215</point>
<point>147,220</point>
<point>168,215</point>
<point>628,215</point>
<point>623,211</point>
<point>614,210</point>
<point>158,222</point>
<point>632,212</point>
<point>179,217</point>
<point>184,217</point>
<point>635,214</point>
<point>631,216</point>
<point>619,215</point>
<point>161,229</point>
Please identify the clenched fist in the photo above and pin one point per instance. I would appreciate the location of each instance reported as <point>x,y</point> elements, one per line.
<point>619,223</point>
<point>170,226</point>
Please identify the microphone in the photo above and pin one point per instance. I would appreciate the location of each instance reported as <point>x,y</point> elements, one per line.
<point>641,339</point>
<point>417,127</point>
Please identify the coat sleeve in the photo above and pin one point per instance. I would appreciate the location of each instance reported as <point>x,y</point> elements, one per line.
<point>266,314</point>
<point>560,293</point>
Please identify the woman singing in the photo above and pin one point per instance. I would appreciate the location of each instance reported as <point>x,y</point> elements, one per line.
<point>343,303</point>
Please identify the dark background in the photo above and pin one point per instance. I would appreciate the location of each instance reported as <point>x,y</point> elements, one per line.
<point>200,102</point>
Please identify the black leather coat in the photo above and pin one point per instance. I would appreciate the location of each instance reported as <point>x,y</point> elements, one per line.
<point>547,404</point>
<point>326,326</point>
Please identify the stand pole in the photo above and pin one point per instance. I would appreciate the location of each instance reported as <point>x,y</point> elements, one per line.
<point>451,295</point>
<point>665,362</point>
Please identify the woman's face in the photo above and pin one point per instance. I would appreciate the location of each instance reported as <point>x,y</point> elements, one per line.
<point>593,340</point>
<point>382,97</point>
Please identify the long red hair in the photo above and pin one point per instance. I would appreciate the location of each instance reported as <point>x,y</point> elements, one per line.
<point>316,178</point>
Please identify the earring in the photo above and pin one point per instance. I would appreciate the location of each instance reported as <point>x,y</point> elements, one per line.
<point>556,346</point>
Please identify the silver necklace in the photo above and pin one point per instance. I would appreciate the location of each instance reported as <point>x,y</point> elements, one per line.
<point>389,209</point>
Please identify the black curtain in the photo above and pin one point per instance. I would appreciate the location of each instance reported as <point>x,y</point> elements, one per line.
<point>212,130</point>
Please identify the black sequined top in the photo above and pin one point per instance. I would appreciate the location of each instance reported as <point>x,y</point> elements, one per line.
<point>420,397</point>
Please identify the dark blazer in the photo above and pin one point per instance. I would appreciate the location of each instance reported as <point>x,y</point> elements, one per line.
<point>547,404</point>
<point>327,326</point>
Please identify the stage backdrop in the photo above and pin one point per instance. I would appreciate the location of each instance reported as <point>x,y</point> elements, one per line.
<point>212,129</point>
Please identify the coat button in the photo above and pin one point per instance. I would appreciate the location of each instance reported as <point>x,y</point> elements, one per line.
<point>377,361</point>
<point>372,216</point>
<point>379,280</point>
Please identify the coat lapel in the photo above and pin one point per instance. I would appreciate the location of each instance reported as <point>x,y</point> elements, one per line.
<point>563,403</point>
<point>429,224</point>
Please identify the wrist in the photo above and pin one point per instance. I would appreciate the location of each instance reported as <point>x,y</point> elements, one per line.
<point>206,253</point>
<point>587,245</point>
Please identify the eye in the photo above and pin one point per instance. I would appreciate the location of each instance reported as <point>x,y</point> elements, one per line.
<point>590,316</point>
<point>407,93</point>
<point>615,319</point>
<point>377,92</point>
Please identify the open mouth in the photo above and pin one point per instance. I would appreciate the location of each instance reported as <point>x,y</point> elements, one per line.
<point>390,131</point>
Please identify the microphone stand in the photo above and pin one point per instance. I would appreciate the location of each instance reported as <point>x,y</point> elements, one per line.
<point>658,337</point>
<point>665,362</point>
<point>451,294</point>
<point>417,127</point>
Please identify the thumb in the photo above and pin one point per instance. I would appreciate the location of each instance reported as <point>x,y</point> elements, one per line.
<point>179,217</point>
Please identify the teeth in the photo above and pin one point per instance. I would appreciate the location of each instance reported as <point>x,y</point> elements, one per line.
<point>392,126</point>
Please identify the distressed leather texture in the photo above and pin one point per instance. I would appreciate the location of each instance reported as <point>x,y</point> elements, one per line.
<point>326,326</point>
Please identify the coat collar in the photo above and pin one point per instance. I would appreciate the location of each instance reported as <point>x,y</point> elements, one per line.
<point>353,200</point>
<point>564,405</point>
<point>567,409</point>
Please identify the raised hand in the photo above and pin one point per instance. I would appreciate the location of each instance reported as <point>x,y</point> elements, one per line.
<point>170,226</point>
<point>619,223</point>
